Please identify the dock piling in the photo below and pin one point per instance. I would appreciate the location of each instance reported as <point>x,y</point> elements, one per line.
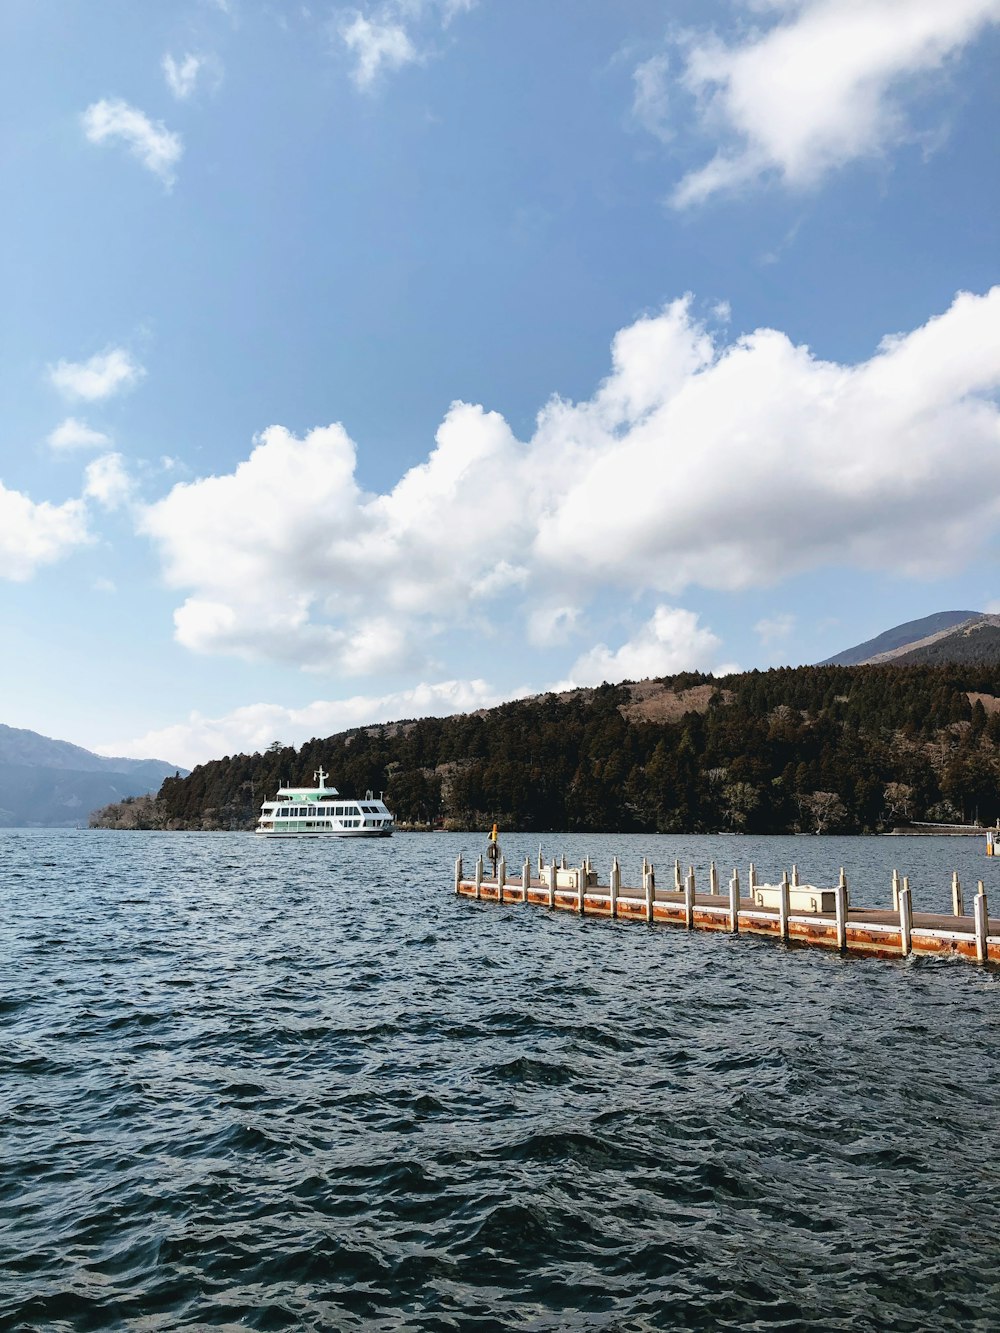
<point>713,879</point>
<point>552,884</point>
<point>957,902</point>
<point>895,890</point>
<point>734,902</point>
<point>478,881</point>
<point>525,879</point>
<point>678,885</point>
<point>501,877</point>
<point>795,877</point>
<point>689,899</point>
<point>614,886</point>
<point>649,891</point>
<point>458,873</point>
<point>906,918</point>
<point>752,878</point>
<point>840,905</point>
<point>784,907</point>
<point>982,920</point>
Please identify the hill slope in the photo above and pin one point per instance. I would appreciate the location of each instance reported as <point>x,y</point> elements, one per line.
<point>913,631</point>
<point>973,641</point>
<point>806,748</point>
<point>50,783</point>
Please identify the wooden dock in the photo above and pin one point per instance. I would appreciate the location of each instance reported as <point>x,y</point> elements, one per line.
<point>895,933</point>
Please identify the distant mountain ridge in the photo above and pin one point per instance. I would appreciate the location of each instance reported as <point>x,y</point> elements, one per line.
<point>902,638</point>
<point>50,783</point>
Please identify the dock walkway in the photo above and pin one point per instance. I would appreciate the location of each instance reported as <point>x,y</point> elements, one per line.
<point>860,930</point>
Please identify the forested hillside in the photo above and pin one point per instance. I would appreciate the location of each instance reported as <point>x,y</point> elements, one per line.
<point>814,748</point>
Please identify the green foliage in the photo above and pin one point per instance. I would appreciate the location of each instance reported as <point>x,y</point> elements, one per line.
<point>831,748</point>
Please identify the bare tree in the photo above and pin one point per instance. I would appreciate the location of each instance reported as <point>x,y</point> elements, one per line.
<point>825,809</point>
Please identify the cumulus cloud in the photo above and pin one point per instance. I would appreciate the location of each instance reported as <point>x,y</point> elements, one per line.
<point>825,83</point>
<point>651,102</point>
<point>101,377</point>
<point>74,434</point>
<point>32,535</point>
<point>386,36</point>
<point>775,630</point>
<point>107,481</point>
<point>671,641</point>
<point>182,75</point>
<point>698,462</point>
<point>254,727</point>
<point>377,47</point>
<point>150,142</point>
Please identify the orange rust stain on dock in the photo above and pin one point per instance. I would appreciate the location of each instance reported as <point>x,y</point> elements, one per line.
<point>870,932</point>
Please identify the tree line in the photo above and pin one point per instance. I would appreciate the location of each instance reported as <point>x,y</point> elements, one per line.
<point>817,748</point>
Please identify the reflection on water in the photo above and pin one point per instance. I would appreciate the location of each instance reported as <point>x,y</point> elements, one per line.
<point>301,1085</point>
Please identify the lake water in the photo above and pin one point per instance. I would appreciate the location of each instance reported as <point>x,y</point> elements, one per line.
<point>288,1085</point>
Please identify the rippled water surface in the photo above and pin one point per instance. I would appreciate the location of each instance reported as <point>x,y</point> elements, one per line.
<point>301,1085</point>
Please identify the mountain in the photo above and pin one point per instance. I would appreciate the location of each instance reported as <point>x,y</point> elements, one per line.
<point>909,634</point>
<point>972,641</point>
<point>811,749</point>
<point>54,784</point>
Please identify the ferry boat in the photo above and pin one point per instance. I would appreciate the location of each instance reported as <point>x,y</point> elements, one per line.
<point>321,812</point>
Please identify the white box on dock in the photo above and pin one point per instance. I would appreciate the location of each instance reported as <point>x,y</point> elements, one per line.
<point>801,897</point>
<point>570,879</point>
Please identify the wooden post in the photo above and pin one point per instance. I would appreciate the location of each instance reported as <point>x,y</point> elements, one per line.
<point>957,903</point>
<point>501,877</point>
<point>650,892</point>
<point>458,873</point>
<point>678,886</point>
<point>795,877</point>
<point>582,881</point>
<point>783,906</point>
<point>552,884</point>
<point>843,885</point>
<point>982,920</point>
<point>645,867</point>
<point>614,886</point>
<point>734,902</point>
<point>689,899</point>
<point>541,861</point>
<point>840,902</point>
<point>562,861</point>
<point>479,878</point>
<point>752,880</point>
<point>895,890</point>
<point>713,879</point>
<point>905,919</point>
<point>525,879</point>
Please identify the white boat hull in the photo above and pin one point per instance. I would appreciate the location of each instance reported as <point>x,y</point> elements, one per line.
<point>326,833</point>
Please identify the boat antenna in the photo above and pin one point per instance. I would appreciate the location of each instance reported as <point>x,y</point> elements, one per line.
<point>320,777</point>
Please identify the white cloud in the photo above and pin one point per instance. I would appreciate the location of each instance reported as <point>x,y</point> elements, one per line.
<point>549,626</point>
<point>651,102</point>
<point>32,535</point>
<point>377,47</point>
<point>775,630</point>
<point>107,481</point>
<point>101,377</point>
<point>157,148</point>
<point>75,434</point>
<point>671,641</point>
<point>826,83</point>
<point>182,75</point>
<point>386,36</point>
<point>697,462</point>
<point>255,726</point>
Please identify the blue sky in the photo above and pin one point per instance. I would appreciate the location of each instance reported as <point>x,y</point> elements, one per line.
<point>367,362</point>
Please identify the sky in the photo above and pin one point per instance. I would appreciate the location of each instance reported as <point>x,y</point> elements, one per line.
<point>369,362</point>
